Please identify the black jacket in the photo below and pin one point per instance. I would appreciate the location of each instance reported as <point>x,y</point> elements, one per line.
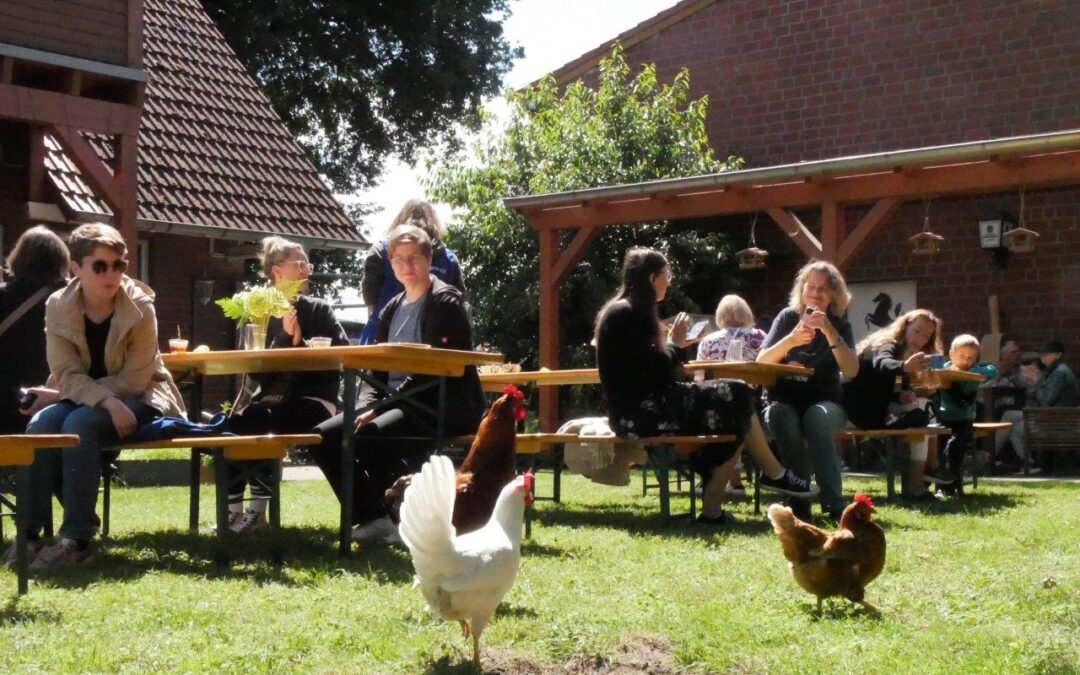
<point>316,319</point>
<point>824,384</point>
<point>632,366</point>
<point>23,348</point>
<point>444,323</point>
<point>867,397</point>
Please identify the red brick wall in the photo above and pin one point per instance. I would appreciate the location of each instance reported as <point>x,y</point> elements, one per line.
<point>792,80</point>
<point>89,29</point>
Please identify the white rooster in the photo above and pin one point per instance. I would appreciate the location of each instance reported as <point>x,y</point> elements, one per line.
<point>462,578</point>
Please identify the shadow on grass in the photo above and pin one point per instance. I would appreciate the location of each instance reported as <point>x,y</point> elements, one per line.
<point>11,614</point>
<point>632,519</point>
<point>307,553</point>
<point>837,608</point>
<point>454,665</point>
<point>518,611</point>
<point>979,503</point>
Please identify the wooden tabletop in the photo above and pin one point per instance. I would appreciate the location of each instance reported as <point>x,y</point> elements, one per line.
<point>410,358</point>
<point>939,378</point>
<point>19,450</point>
<point>748,371</point>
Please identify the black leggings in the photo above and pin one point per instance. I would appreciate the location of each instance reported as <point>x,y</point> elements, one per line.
<point>382,456</point>
<point>299,416</point>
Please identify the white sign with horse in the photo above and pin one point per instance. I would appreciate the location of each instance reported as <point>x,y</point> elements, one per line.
<point>875,304</point>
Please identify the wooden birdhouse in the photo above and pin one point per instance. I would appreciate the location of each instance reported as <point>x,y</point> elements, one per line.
<point>925,243</point>
<point>752,258</point>
<point>1020,240</point>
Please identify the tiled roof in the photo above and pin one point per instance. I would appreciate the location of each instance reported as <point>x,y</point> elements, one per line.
<point>212,152</point>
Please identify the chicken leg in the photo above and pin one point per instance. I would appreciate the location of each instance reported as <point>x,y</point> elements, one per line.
<point>464,628</point>
<point>476,650</point>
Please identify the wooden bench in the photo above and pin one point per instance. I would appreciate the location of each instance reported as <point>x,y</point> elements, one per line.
<point>985,430</point>
<point>17,452</point>
<point>1050,430</point>
<point>223,449</point>
<point>890,439</point>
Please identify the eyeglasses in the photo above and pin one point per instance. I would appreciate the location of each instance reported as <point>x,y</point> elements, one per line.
<point>102,266</point>
<point>301,265</point>
<point>411,261</point>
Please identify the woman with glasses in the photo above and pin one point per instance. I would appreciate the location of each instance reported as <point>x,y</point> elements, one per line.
<point>380,284</point>
<point>102,347</point>
<point>644,386</point>
<point>284,403</point>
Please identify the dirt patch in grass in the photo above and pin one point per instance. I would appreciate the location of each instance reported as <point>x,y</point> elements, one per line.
<point>634,655</point>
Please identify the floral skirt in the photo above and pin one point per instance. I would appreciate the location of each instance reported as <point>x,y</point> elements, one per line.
<point>694,408</point>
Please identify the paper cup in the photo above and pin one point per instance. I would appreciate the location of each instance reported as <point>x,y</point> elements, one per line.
<point>178,345</point>
<point>320,342</point>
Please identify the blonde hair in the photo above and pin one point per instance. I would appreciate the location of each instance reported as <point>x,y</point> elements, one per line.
<point>897,331</point>
<point>733,311</point>
<point>964,340</point>
<point>276,250</point>
<point>85,238</point>
<point>420,213</point>
<point>841,296</point>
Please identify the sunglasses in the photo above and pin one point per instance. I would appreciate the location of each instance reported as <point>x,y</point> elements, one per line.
<point>102,266</point>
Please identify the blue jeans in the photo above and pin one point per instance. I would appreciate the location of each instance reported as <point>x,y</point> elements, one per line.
<point>811,433</point>
<point>76,470</point>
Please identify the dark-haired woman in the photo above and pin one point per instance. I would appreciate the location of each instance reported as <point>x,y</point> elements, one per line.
<point>647,393</point>
<point>39,265</point>
<point>379,285</point>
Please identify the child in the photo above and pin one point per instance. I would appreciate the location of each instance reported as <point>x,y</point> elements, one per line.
<point>957,409</point>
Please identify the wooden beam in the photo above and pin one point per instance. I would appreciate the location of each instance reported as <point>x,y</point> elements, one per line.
<point>134,33</point>
<point>574,252</point>
<point>1032,172</point>
<point>38,106</point>
<point>74,83</point>
<point>833,230</point>
<point>549,327</point>
<point>7,69</point>
<point>882,212</point>
<point>794,228</point>
<point>126,214</point>
<point>91,166</point>
<point>36,169</point>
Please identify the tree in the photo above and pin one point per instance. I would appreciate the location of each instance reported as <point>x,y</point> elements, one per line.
<point>357,81</point>
<point>626,130</point>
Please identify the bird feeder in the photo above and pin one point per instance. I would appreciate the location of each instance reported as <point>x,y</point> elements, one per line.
<point>752,258</point>
<point>1020,240</point>
<point>926,242</point>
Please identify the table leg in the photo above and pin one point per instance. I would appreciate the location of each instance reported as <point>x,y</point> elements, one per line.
<point>221,480</point>
<point>22,517</point>
<point>196,457</point>
<point>348,461</point>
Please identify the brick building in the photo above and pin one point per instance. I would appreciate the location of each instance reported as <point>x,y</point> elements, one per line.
<point>794,80</point>
<point>140,114</point>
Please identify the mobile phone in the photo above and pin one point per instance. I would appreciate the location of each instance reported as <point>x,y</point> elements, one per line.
<point>26,399</point>
<point>808,311</point>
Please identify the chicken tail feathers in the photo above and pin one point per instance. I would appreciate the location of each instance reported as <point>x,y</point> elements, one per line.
<point>426,513</point>
<point>781,517</point>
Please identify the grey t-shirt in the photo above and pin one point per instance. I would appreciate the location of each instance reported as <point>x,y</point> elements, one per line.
<point>405,327</point>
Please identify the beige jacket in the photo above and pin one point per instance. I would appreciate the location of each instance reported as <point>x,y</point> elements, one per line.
<point>132,358</point>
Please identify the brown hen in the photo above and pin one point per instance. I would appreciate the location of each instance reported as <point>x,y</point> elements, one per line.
<point>489,465</point>
<point>838,564</point>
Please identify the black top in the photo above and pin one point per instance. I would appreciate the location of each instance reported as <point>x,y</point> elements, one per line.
<point>824,384</point>
<point>867,397</point>
<point>316,319</point>
<point>444,323</point>
<point>632,366</point>
<point>26,338</point>
<point>96,335</point>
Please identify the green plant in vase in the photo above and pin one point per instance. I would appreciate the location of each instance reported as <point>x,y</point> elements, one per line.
<point>256,305</point>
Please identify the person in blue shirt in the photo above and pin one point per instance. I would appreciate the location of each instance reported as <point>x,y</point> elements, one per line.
<point>957,410</point>
<point>380,285</point>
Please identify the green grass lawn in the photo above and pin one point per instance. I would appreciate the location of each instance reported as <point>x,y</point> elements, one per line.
<point>966,589</point>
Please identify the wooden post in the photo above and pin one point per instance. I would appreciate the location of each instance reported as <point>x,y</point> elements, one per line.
<point>833,230</point>
<point>127,174</point>
<point>37,164</point>
<point>549,326</point>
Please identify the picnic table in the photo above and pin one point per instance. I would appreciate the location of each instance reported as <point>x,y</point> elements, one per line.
<point>751,372</point>
<point>353,361</point>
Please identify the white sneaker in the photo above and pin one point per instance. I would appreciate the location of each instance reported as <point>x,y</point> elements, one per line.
<point>250,521</point>
<point>33,547</point>
<point>64,554</point>
<point>377,530</point>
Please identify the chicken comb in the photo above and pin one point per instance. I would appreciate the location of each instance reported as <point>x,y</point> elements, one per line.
<point>863,498</point>
<point>513,392</point>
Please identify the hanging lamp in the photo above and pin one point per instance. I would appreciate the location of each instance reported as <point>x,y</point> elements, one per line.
<point>752,258</point>
<point>926,242</point>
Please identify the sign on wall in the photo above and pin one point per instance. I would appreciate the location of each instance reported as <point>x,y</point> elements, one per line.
<point>875,304</point>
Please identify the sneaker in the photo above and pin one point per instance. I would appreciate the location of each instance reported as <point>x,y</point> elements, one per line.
<point>1031,470</point>
<point>33,547</point>
<point>937,475</point>
<point>249,521</point>
<point>789,484</point>
<point>925,496</point>
<point>377,530</point>
<point>59,556</point>
<point>725,518</point>
<point>735,490</point>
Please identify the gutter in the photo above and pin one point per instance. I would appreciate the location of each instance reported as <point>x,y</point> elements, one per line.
<point>217,232</point>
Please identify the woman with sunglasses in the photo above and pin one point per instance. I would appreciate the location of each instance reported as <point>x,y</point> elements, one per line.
<point>102,347</point>
<point>284,403</point>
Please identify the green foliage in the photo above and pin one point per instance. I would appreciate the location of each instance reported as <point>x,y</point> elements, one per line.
<point>625,130</point>
<point>357,81</point>
<point>261,302</point>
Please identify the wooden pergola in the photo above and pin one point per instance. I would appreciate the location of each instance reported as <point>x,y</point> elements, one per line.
<point>882,181</point>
